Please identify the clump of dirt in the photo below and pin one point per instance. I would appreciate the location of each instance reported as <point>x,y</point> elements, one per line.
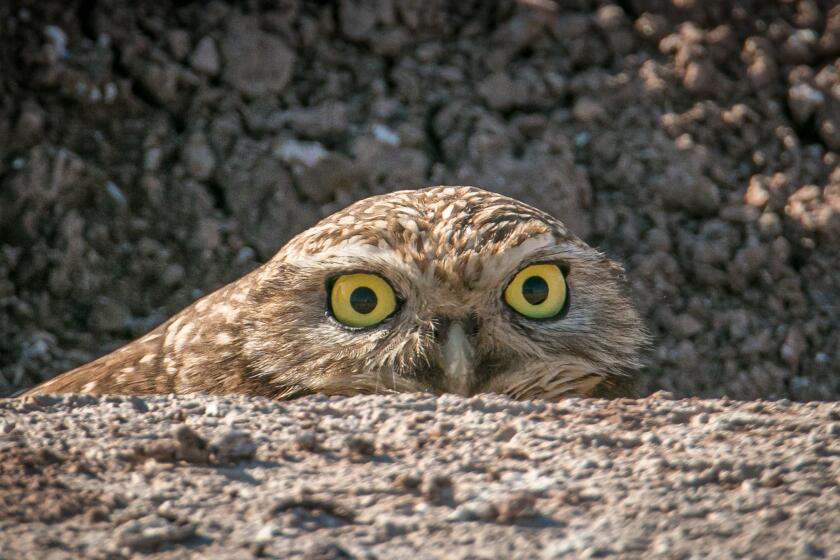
<point>150,153</point>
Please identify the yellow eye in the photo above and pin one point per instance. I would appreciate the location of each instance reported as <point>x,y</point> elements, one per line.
<point>537,291</point>
<point>362,300</point>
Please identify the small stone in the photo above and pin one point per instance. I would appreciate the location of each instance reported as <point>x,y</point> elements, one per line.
<point>266,533</point>
<point>652,26</point>
<point>515,507</point>
<point>302,153</point>
<point>325,120</point>
<point>357,19</point>
<point>504,433</point>
<point>804,101</point>
<point>30,123</point>
<point>610,17</point>
<point>256,63</point>
<point>213,409</point>
<point>685,326</point>
<point>810,550</point>
<point>332,173</point>
<point>138,404</point>
<point>205,58</point>
<point>500,92</point>
<point>152,532</point>
<point>172,275</point>
<point>757,194</point>
<point>690,191</point>
<point>233,446</point>
<point>110,315</point>
<point>199,157</point>
<point>437,489</point>
<point>96,514</point>
<point>192,448</point>
<point>793,347</point>
<point>152,159</point>
<point>771,479</point>
<point>408,481</point>
<point>474,511</point>
<point>589,464</point>
<point>513,452</point>
<point>588,111</point>
<point>770,225</point>
<point>799,47</point>
<point>360,446</point>
<point>57,40</point>
<point>306,441</point>
<point>179,43</point>
<point>385,135</point>
<point>651,438</point>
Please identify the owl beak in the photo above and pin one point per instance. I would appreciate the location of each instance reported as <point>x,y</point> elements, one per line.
<point>457,357</point>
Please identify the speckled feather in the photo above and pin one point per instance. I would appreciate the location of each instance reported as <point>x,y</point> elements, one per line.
<point>448,252</point>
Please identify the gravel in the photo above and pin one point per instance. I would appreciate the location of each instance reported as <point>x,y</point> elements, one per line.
<point>393,476</point>
<point>151,153</point>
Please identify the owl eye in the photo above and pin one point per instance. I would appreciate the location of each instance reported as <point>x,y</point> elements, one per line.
<point>537,291</point>
<point>362,300</point>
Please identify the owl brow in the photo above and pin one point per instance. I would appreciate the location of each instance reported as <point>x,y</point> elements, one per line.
<point>340,267</point>
<point>549,255</point>
<point>564,253</point>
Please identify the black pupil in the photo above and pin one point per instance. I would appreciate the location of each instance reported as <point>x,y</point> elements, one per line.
<point>535,290</point>
<point>363,300</point>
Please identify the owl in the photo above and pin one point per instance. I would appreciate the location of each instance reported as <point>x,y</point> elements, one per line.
<point>438,290</point>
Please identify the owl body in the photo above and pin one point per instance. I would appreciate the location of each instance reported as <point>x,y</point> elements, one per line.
<point>408,291</point>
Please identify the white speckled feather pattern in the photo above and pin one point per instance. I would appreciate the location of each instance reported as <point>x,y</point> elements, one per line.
<point>448,252</point>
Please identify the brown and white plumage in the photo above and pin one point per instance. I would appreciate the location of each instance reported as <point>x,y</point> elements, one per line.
<point>448,252</point>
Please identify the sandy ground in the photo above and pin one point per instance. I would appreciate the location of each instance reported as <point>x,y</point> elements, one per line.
<point>416,476</point>
<point>151,152</point>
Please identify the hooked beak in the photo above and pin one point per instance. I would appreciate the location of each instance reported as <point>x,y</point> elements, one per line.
<point>457,356</point>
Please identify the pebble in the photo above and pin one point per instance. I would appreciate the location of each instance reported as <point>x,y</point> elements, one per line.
<point>205,58</point>
<point>233,446</point>
<point>437,488</point>
<point>474,511</point>
<point>198,157</point>
<point>152,532</point>
<point>266,533</point>
<point>255,62</point>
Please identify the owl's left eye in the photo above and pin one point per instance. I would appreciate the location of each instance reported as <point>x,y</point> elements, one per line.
<point>538,291</point>
<point>362,300</point>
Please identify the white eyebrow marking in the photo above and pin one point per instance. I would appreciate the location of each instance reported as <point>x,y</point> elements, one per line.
<point>497,266</point>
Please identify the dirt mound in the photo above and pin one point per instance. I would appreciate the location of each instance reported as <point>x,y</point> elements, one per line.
<point>151,152</point>
<point>417,476</point>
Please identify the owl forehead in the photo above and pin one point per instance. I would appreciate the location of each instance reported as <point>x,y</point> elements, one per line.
<point>451,231</point>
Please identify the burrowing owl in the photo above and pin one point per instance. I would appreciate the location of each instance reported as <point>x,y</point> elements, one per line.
<point>445,289</point>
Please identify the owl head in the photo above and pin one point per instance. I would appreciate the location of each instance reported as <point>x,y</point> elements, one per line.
<point>445,289</point>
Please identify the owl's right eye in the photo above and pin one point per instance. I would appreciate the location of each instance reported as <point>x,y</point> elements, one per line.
<point>362,300</point>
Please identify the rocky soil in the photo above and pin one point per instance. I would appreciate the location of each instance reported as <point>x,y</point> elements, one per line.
<point>417,476</point>
<point>150,152</point>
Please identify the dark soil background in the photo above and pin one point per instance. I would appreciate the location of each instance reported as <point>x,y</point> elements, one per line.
<point>150,152</point>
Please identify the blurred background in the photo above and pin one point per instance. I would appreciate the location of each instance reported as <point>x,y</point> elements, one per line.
<point>151,152</point>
